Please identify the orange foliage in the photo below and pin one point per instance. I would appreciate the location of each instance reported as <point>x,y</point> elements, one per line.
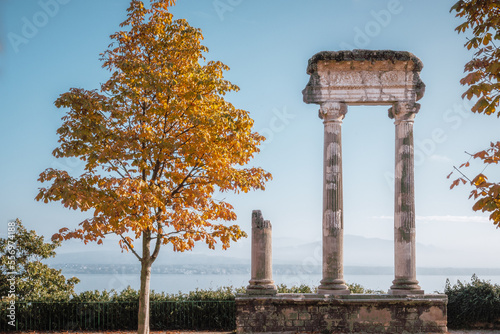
<point>483,78</point>
<point>158,141</point>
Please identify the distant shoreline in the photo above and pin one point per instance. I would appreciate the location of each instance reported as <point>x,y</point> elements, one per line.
<point>278,269</point>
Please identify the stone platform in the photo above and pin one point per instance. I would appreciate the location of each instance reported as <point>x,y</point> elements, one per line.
<point>317,313</point>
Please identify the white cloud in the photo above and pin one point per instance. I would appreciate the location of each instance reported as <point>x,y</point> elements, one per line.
<point>383,217</point>
<point>454,219</point>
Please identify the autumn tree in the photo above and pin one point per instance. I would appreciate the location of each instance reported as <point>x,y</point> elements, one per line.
<point>21,256</point>
<point>159,143</point>
<point>482,20</point>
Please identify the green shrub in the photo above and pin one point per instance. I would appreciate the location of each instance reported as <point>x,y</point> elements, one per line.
<point>223,293</point>
<point>93,296</point>
<point>131,295</point>
<point>474,304</point>
<point>282,288</point>
<point>357,288</point>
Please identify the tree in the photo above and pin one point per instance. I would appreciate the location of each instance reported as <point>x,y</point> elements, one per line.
<point>21,253</point>
<point>482,19</point>
<point>159,143</point>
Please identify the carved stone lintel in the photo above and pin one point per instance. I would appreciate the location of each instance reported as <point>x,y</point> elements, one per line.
<point>404,111</point>
<point>332,111</point>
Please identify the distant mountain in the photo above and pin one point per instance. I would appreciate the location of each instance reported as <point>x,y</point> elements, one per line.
<point>358,252</point>
<point>173,258</point>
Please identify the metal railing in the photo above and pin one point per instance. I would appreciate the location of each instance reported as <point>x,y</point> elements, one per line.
<point>164,315</point>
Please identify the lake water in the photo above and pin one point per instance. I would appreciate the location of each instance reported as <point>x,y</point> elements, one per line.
<point>172,283</point>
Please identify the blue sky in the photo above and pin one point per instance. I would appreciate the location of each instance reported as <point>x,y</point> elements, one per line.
<point>49,46</point>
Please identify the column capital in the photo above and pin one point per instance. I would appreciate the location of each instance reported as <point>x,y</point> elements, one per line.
<point>332,111</point>
<point>404,111</point>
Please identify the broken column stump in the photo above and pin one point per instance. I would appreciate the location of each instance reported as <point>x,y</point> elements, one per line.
<point>261,282</point>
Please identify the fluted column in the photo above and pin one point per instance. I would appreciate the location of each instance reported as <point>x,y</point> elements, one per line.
<point>261,282</point>
<point>333,215</point>
<point>405,281</point>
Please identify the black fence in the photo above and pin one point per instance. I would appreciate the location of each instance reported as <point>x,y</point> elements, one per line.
<point>164,315</point>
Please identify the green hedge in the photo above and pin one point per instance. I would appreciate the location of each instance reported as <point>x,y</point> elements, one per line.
<point>129,295</point>
<point>474,304</point>
<point>110,310</point>
<point>114,315</point>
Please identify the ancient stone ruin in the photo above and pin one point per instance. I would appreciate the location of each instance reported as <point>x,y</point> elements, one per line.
<point>261,282</point>
<point>337,80</point>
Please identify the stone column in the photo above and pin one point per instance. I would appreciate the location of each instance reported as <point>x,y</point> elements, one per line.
<point>405,281</point>
<point>333,216</point>
<point>261,282</point>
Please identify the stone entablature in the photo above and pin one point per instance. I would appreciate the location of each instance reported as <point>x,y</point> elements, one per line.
<point>364,77</point>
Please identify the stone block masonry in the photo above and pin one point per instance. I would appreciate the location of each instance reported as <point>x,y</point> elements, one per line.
<point>319,313</point>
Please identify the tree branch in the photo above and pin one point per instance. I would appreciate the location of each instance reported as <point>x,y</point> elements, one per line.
<point>179,187</point>
<point>129,245</point>
<point>462,174</point>
<point>156,251</point>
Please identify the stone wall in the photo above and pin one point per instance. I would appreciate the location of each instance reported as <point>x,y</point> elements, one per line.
<point>314,313</point>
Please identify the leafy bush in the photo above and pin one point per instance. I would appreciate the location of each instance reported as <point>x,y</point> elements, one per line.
<point>223,293</point>
<point>357,288</point>
<point>22,252</point>
<point>282,288</point>
<point>473,305</point>
<point>131,295</point>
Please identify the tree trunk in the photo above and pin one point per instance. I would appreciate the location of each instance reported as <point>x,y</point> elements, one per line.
<point>146,262</point>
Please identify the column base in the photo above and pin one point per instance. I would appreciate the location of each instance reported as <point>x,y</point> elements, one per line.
<point>404,286</point>
<point>252,291</point>
<point>326,291</point>
<point>404,292</point>
<point>333,287</point>
<point>262,287</point>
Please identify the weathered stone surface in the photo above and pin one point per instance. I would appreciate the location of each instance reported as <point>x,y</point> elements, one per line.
<point>364,77</point>
<point>317,313</point>
<point>261,282</point>
<point>367,77</point>
<point>333,210</point>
